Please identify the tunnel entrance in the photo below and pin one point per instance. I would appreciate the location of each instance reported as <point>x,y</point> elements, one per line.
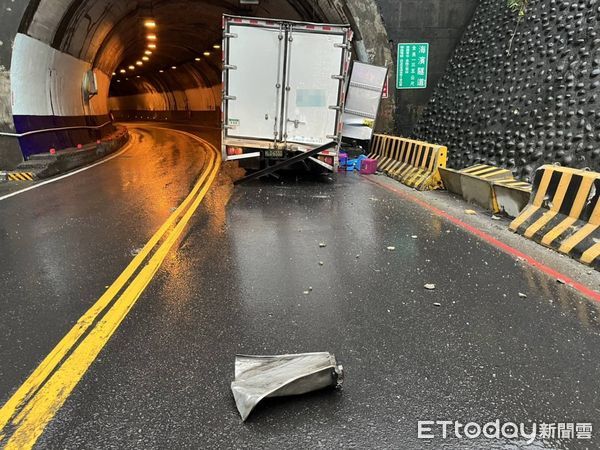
<point>164,58</point>
<point>79,65</point>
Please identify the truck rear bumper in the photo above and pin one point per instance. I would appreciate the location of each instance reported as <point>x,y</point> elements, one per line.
<point>242,156</point>
<point>246,149</point>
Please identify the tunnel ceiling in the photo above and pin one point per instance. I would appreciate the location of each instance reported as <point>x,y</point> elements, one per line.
<point>111,34</point>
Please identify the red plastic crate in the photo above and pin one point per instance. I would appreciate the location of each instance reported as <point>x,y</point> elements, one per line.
<point>368,166</point>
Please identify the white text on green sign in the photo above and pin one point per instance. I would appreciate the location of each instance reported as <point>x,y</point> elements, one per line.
<point>412,68</point>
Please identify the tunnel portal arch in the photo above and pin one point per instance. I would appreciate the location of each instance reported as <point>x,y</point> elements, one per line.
<point>56,42</point>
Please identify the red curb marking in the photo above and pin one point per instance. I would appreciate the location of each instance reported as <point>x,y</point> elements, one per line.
<point>595,295</point>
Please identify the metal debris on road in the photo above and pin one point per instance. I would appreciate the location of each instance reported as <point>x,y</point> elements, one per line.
<point>391,248</point>
<point>430,287</point>
<point>470,212</point>
<point>437,304</point>
<point>494,217</point>
<point>522,295</point>
<point>259,377</point>
<point>322,244</point>
<point>321,263</point>
<point>558,280</point>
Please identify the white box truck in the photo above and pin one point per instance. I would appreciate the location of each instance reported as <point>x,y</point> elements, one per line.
<point>284,85</point>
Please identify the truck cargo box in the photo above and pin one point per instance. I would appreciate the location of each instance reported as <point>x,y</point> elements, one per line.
<point>284,86</point>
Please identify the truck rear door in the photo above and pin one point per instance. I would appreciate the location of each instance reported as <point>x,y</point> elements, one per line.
<point>253,98</point>
<point>314,79</point>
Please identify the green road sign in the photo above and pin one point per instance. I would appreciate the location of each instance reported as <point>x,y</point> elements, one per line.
<point>413,61</point>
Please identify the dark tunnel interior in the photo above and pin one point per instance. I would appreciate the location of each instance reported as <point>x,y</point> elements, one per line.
<point>100,61</point>
<point>160,59</point>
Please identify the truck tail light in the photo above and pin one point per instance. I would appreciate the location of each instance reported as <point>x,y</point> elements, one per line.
<point>234,151</point>
<point>326,159</point>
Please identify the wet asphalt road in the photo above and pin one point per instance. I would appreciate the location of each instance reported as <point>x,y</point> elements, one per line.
<point>236,285</point>
<point>62,243</point>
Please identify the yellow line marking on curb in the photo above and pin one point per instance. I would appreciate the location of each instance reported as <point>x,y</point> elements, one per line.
<point>20,176</point>
<point>36,402</point>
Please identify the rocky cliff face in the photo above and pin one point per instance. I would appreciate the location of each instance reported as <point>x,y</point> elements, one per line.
<point>524,104</point>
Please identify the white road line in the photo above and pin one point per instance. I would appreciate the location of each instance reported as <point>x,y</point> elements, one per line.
<point>70,174</point>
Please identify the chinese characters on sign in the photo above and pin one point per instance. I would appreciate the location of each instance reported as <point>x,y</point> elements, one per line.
<point>413,60</point>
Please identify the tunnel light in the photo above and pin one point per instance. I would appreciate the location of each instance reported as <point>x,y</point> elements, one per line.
<point>206,53</point>
<point>145,58</point>
<point>122,71</point>
<point>161,71</point>
<point>150,23</point>
<point>138,76</point>
<point>196,59</point>
<point>131,67</point>
<point>139,63</point>
<point>148,52</point>
<point>173,67</point>
<point>114,73</point>
<point>152,46</point>
<point>118,81</point>
<point>216,46</point>
<point>151,37</point>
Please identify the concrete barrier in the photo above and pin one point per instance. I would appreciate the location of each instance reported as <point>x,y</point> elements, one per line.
<point>411,162</point>
<point>45,165</point>
<point>564,213</point>
<point>492,188</point>
<point>512,196</point>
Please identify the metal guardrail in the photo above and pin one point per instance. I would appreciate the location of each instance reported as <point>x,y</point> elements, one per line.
<point>50,130</point>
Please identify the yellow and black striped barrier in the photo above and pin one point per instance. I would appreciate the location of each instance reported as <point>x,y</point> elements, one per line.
<point>490,173</point>
<point>564,213</point>
<point>411,162</point>
<point>492,188</point>
<point>20,176</point>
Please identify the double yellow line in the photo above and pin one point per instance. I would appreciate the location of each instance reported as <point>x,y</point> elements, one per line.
<point>26,414</point>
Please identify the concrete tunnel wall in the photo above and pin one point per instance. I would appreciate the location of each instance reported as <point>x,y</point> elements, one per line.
<point>47,94</point>
<point>439,23</point>
<point>175,95</point>
<point>47,46</point>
